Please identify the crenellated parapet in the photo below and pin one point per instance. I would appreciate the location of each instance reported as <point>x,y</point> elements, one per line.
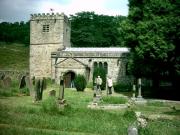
<point>49,16</point>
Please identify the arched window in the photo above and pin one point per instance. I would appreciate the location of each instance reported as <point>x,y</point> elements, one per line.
<point>127,71</point>
<point>106,67</point>
<point>100,65</point>
<point>95,64</point>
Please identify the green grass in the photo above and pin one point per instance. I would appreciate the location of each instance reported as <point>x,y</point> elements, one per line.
<point>114,100</point>
<point>20,116</point>
<point>14,56</point>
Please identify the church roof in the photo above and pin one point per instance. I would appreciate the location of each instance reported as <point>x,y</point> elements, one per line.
<point>97,49</point>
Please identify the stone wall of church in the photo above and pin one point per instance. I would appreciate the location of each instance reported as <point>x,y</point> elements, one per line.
<point>40,59</point>
<point>48,33</point>
<point>116,68</point>
<point>64,65</point>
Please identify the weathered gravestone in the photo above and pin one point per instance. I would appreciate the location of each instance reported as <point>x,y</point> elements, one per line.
<point>132,130</point>
<point>2,76</point>
<point>22,83</point>
<point>61,89</point>
<point>7,81</point>
<point>39,85</point>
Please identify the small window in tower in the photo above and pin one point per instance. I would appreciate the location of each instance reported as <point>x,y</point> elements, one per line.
<point>45,28</point>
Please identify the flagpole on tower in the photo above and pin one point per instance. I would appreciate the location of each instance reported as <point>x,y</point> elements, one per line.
<point>51,10</point>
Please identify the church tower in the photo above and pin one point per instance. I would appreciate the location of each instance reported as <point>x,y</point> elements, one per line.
<point>48,33</point>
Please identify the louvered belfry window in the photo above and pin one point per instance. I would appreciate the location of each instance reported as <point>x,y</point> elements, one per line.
<point>45,28</point>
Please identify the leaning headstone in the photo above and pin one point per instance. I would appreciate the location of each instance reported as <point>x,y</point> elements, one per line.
<point>52,93</point>
<point>22,82</point>
<point>2,76</point>
<point>7,81</point>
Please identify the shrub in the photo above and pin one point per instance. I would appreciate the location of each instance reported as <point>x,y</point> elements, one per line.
<point>80,82</point>
<point>100,71</point>
<point>129,114</point>
<point>121,87</point>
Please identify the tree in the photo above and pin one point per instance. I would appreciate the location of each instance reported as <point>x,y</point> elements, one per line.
<point>91,30</point>
<point>152,32</point>
<point>15,32</point>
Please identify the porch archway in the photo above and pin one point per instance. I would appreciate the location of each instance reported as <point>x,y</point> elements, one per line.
<point>69,79</point>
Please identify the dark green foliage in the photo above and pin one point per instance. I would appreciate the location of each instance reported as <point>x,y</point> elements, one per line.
<point>129,114</point>
<point>80,82</point>
<point>121,87</point>
<point>100,71</point>
<point>15,32</point>
<point>91,30</point>
<point>152,32</point>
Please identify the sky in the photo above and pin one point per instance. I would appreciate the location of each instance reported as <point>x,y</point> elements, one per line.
<point>20,10</point>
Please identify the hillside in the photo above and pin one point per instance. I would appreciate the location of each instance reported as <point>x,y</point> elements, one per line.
<point>14,56</point>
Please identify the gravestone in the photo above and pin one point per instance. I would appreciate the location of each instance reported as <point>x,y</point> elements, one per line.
<point>52,93</point>
<point>7,81</point>
<point>61,89</point>
<point>139,88</point>
<point>22,83</point>
<point>132,130</point>
<point>2,76</point>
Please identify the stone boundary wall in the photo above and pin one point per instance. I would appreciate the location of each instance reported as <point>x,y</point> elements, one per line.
<point>14,74</point>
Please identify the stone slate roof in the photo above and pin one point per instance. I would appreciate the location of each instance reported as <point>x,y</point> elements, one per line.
<point>91,49</point>
<point>82,52</point>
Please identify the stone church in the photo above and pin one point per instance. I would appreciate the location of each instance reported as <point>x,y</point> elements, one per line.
<point>52,56</point>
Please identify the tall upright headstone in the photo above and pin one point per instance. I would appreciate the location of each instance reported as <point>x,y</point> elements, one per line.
<point>61,88</point>
<point>134,90</point>
<point>139,88</point>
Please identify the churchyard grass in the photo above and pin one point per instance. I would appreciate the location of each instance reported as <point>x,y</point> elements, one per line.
<point>14,56</point>
<point>114,100</point>
<point>19,115</point>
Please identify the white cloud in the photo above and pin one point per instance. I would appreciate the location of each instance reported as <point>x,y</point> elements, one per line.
<point>18,10</point>
<point>98,6</point>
